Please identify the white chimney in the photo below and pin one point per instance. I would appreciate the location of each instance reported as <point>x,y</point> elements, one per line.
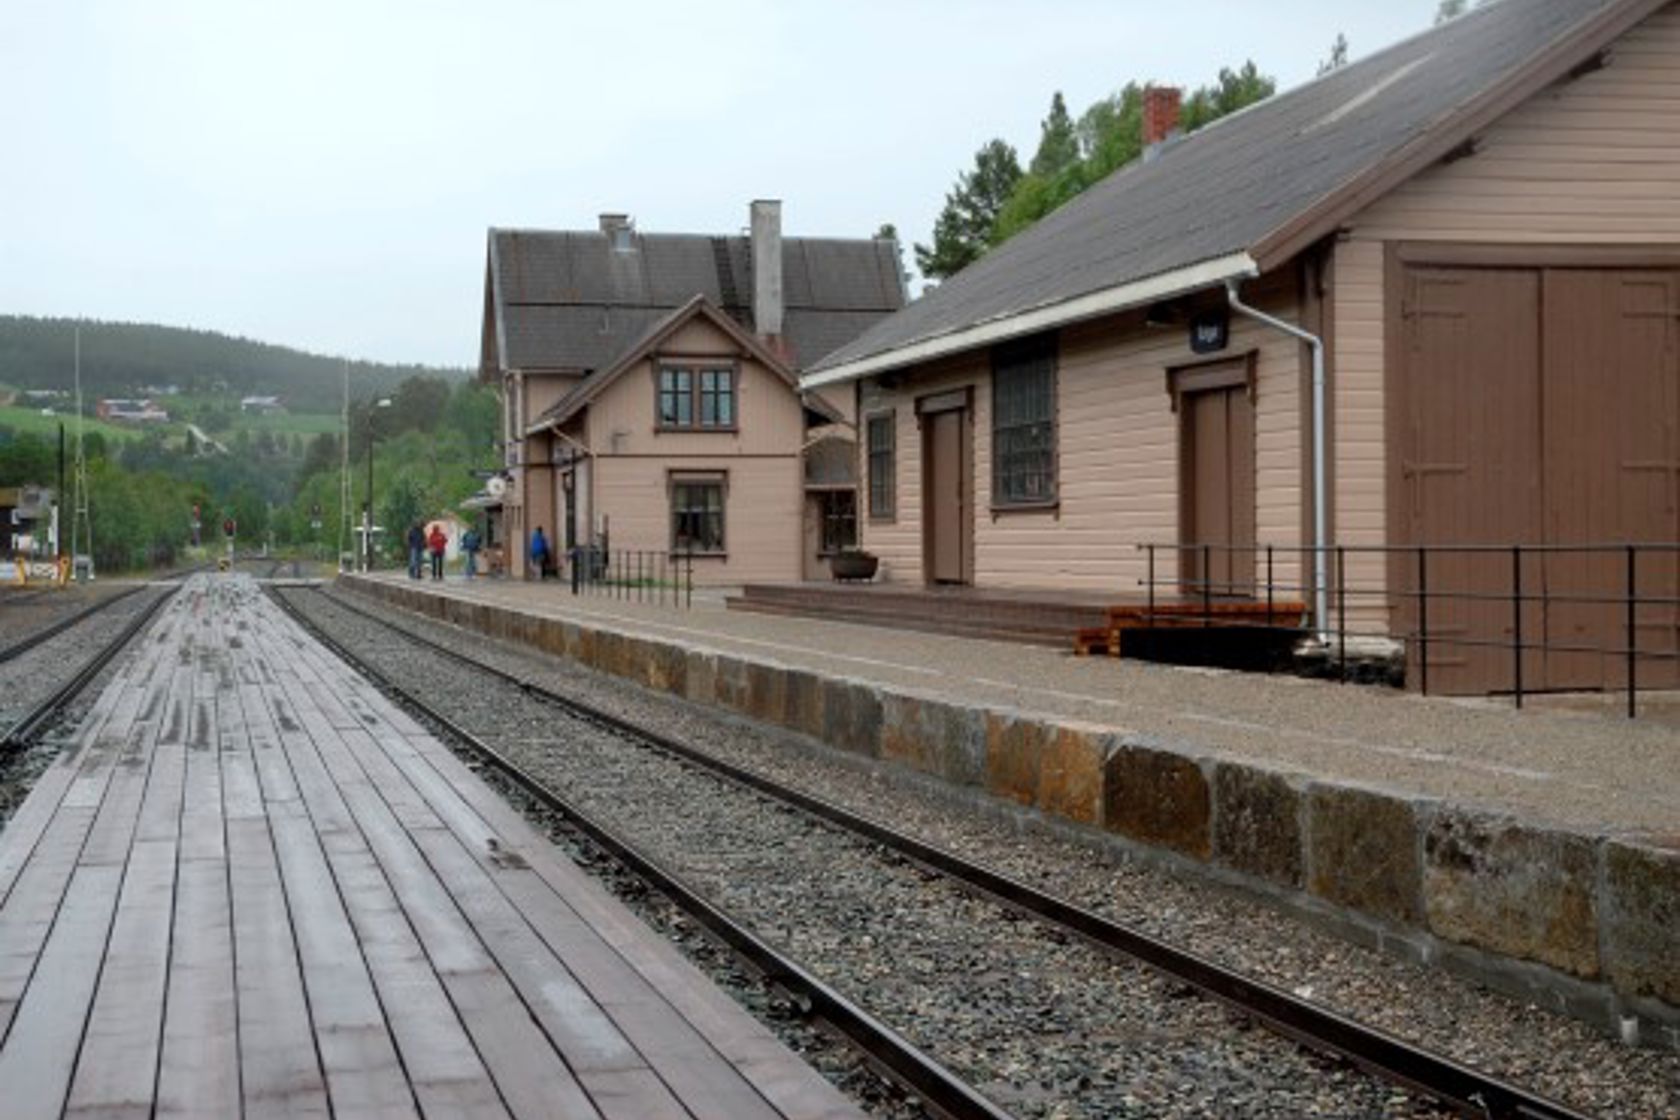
<point>767,267</point>
<point>620,231</point>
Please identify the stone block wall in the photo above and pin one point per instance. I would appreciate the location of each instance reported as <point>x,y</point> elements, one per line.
<point>1589,925</point>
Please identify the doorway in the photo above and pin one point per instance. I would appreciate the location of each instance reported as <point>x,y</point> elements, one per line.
<point>947,488</point>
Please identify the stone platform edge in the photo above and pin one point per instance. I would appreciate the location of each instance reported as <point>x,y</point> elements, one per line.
<point>1587,925</point>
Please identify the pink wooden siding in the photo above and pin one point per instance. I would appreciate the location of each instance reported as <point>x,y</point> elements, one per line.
<point>1595,161</point>
<point>632,462</point>
<point>1117,440</point>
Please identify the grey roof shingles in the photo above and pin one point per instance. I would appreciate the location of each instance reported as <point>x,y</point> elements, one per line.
<point>569,300</point>
<point>1225,189</point>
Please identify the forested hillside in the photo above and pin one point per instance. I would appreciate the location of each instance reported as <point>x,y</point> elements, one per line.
<point>118,359</point>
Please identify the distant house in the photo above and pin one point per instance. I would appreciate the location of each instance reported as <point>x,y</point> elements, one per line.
<point>128,411</point>
<point>650,397</point>
<point>28,521</point>
<point>261,406</point>
<point>1478,227</point>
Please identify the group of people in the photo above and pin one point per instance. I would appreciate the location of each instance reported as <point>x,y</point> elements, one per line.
<point>435,544</point>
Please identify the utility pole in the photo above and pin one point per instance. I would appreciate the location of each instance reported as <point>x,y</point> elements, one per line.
<point>81,523</point>
<point>344,472</point>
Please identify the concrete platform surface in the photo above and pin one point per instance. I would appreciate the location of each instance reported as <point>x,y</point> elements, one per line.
<point>1585,766</point>
<point>255,887</point>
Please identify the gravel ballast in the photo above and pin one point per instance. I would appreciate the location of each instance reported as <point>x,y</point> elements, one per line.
<point>1044,1025</point>
<point>29,678</point>
<point>1522,1043</point>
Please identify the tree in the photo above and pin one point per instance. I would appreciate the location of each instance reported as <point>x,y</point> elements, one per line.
<point>1110,135</point>
<point>1450,9</point>
<point>963,229</point>
<point>1338,56</point>
<point>1058,144</point>
<point>1235,89</point>
<point>889,232</point>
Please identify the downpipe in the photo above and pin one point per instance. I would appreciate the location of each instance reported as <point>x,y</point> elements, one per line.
<point>1321,500</point>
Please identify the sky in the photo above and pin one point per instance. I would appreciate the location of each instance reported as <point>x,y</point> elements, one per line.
<point>322,174</point>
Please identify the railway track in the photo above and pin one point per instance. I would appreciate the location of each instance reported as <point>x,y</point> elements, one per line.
<point>53,629</point>
<point>35,717</point>
<point>1431,1075</point>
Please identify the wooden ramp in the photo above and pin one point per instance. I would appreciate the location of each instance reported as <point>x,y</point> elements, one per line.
<point>254,887</point>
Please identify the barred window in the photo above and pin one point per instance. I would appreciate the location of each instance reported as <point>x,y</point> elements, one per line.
<point>839,519</point>
<point>882,439</point>
<point>697,514</point>
<point>1024,424</point>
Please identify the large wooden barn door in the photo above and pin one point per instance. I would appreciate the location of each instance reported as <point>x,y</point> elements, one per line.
<point>1470,465</point>
<point>1217,496</point>
<point>1541,406</point>
<point>1612,463</point>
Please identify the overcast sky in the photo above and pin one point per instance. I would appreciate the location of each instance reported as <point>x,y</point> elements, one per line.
<point>321,174</point>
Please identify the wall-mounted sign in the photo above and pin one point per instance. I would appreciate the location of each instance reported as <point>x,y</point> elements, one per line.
<point>1210,332</point>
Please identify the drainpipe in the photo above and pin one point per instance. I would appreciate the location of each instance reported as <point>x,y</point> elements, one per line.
<point>1321,500</point>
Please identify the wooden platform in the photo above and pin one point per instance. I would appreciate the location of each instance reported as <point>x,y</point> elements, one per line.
<point>256,888</point>
<point>1037,617</point>
<point>1092,622</point>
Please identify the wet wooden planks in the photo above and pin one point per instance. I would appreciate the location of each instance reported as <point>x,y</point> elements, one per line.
<point>253,887</point>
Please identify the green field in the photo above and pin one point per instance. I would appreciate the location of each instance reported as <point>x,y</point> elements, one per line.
<point>286,423</point>
<point>31,420</point>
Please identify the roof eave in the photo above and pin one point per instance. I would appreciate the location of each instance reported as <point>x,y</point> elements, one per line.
<point>1092,305</point>
<point>1450,132</point>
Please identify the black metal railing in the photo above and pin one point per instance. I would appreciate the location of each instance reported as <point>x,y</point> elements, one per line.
<point>1494,618</point>
<point>632,575</point>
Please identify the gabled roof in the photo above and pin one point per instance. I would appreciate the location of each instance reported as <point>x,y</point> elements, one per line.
<point>1252,190</point>
<point>647,345</point>
<point>568,300</point>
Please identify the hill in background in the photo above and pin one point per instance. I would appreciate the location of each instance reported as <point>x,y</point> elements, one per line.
<point>120,359</point>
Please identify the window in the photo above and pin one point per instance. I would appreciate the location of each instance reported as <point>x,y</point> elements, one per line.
<point>696,398</point>
<point>697,513</point>
<point>838,509</point>
<point>882,437</point>
<point>1024,424</point>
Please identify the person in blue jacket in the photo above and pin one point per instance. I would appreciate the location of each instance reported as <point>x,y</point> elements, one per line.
<point>539,552</point>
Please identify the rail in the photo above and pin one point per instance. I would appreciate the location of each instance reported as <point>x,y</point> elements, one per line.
<point>1316,1027</point>
<point>20,733</point>
<point>633,575</point>
<point>52,630</point>
<point>1516,619</point>
<point>947,1094</point>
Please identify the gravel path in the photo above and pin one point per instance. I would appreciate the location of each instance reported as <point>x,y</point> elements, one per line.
<point>1525,1044</point>
<point>1046,1026</point>
<point>30,678</point>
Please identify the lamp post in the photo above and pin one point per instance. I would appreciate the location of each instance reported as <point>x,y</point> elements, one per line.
<point>367,507</point>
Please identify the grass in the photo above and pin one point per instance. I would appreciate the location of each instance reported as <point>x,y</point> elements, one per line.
<point>31,420</point>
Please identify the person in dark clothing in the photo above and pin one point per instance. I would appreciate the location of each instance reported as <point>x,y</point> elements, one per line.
<point>439,542</point>
<point>471,542</point>
<point>539,552</point>
<point>416,549</point>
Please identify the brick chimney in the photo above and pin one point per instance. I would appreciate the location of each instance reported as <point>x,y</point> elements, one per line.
<point>1160,115</point>
<point>767,269</point>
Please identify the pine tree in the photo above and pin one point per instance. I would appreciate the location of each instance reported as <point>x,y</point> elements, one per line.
<point>1058,143</point>
<point>1338,56</point>
<point>963,228</point>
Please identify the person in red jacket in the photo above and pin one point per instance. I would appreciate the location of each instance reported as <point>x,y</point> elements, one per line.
<point>438,542</point>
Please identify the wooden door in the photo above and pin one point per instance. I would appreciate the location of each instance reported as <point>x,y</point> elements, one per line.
<point>1217,498</point>
<point>945,494</point>
<point>1612,464</point>
<point>1470,470</point>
